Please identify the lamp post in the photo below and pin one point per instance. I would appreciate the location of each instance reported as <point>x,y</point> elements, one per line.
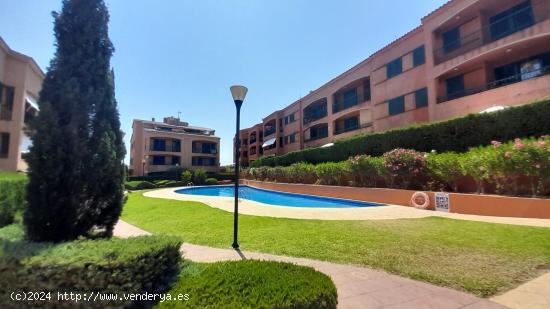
<point>238,93</point>
<point>143,167</point>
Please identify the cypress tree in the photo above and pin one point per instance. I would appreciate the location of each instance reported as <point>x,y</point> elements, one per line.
<point>75,162</point>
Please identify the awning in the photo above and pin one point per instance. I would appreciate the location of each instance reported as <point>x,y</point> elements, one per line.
<point>327,145</point>
<point>493,109</point>
<point>31,101</point>
<point>269,142</point>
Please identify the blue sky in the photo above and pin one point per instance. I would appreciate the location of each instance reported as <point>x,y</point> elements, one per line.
<point>181,56</point>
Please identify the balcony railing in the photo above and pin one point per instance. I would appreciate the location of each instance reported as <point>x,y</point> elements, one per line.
<point>315,115</point>
<point>269,131</point>
<point>486,34</point>
<point>200,150</point>
<point>352,128</point>
<point>495,84</point>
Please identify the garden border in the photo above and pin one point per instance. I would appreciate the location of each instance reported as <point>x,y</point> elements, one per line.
<point>462,203</point>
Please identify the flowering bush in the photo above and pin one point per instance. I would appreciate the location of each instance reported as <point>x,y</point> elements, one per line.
<point>516,167</point>
<point>404,166</point>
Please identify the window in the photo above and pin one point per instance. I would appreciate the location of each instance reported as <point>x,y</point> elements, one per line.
<point>515,19</point>
<point>280,141</point>
<point>158,160</point>
<point>455,87</point>
<point>289,118</point>
<point>366,90</point>
<point>4,145</point>
<point>350,98</point>
<point>209,148</point>
<point>351,123</point>
<point>292,138</point>
<point>175,160</point>
<point>159,145</point>
<point>318,132</point>
<point>6,102</point>
<point>315,111</point>
<point>421,97</point>
<point>176,145</point>
<point>203,161</point>
<point>451,40</point>
<point>280,124</point>
<point>397,105</point>
<point>419,56</point>
<point>394,68</point>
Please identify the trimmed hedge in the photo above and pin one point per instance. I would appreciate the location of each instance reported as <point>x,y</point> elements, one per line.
<point>453,135</point>
<point>133,265</point>
<point>12,198</point>
<point>211,181</point>
<point>253,284</point>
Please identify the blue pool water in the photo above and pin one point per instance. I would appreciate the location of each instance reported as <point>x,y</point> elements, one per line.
<point>275,197</point>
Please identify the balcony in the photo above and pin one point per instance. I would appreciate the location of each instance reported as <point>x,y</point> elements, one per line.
<point>165,145</point>
<point>353,127</point>
<point>512,79</point>
<point>317,132</point>
<point>204,148</point>
<point>315,111</point>
<point>269,130</point>
<point>501,25</point>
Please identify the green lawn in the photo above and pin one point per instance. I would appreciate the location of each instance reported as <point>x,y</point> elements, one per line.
<point>12,175</point>
<point>480,258</point>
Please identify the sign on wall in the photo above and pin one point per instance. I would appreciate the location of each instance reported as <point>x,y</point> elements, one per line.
<point>442,201</point>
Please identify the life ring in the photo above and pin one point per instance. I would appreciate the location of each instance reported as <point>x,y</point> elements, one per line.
<point>420,200</point>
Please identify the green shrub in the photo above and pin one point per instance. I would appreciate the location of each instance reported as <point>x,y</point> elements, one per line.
<point>331,173</point>
<point>456,135</point>
<point>139,185</point>
<point>253,284</point>
<point>186,177</point>
<point>446,168</point>
<point>199,176</point>
<point>303,172</point>
<point>12,198</point>
<point>132,265</point>
<point>211,181</point>
<point>368,170</point>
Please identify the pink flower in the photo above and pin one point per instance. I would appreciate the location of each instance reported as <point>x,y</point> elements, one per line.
<point>496,144</point>
<point>541,144</point>
<point>508,154</point>
<point>481,168</point>
<point>537,165</point>
<point>518,144</point>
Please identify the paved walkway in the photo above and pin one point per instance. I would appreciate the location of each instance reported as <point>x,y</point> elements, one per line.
<point>249,207</point>
<point>534,294</point>
<point>358,287</point>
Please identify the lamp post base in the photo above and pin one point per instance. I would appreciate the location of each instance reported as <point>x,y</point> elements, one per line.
<point>235,246</point>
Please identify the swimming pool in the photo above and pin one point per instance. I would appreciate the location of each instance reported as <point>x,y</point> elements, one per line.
<point>276,198</point>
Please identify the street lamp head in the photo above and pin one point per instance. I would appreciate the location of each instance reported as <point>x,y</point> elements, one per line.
<point>238,93</point>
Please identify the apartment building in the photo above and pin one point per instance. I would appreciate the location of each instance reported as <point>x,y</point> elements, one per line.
<point>467,56</point>
<point>160,146</point>
<point>20,83</point>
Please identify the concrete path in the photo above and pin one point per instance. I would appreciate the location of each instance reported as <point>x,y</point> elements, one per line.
<point>249,207</point>
<point>358,287</point>
<point>534,294</point>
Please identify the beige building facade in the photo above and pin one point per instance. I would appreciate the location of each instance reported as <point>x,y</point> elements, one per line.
<point>157,147</point>
<point>467,56</point>
<point>20,83</point>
